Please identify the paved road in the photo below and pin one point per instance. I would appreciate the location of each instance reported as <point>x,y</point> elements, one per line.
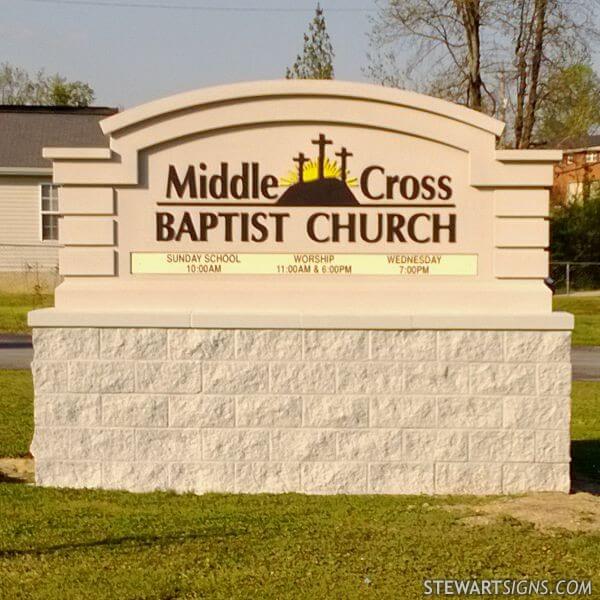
<point>586,363</point>
<point>16,353</point>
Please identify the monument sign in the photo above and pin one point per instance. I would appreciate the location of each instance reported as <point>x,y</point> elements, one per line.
<point>303,286</point>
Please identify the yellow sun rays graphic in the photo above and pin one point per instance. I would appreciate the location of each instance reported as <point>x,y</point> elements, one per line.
<point>310,172</point>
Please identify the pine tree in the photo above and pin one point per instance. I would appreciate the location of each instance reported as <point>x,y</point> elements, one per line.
<point>316,61</point>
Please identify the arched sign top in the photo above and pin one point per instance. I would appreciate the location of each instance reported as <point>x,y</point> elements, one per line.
<point>256,90</point>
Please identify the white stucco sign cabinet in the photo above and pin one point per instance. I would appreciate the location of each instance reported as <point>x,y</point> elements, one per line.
<point>307,286</point>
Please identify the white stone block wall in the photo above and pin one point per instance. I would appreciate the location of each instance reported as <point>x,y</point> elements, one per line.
<point>313,411</point>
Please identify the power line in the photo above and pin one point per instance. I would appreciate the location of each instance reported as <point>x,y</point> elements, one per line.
<point>193,7</point>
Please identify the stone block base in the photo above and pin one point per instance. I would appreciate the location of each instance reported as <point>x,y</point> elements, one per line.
<point>313,411</point>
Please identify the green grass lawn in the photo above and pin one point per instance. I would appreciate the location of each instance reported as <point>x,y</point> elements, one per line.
<point>83,544</point>
<point>14,309</point>
<point>16,412</point>
<point>89,545</point>
<point>587,317</point>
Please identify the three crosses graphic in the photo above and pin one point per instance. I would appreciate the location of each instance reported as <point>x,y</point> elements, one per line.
<point>322,142</point>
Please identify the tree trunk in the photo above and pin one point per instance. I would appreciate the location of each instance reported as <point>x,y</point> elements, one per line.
<point>534,77</point>
<point>521,95</point>
<point>521,45</point>
<point>469,11</point>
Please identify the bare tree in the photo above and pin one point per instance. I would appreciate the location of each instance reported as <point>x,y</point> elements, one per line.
<point>469,13</point>
<point>442,38</point>
<point>18,87</point>
<point>544,37</point>
<point>15,85</point>
<point>492,55</point>
<point>537,53</point>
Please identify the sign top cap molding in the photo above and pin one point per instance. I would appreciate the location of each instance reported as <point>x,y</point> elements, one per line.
<point>287,87</point>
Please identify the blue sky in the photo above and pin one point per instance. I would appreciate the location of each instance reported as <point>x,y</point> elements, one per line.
<point>133,55</point>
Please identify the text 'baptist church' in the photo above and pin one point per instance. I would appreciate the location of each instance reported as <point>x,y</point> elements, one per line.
<point>322,182</point>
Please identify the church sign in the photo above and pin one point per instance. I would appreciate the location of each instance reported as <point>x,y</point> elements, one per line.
<point>303,286</point>
<point>320,204</point>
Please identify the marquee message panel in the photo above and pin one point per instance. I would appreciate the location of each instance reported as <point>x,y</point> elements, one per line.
<point>303,286</point>
<point>303,264</point>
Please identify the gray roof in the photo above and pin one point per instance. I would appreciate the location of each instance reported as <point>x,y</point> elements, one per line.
<point>25,130</point>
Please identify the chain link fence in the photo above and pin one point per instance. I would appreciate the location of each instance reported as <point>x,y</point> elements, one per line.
<point>575,276</point>
<point>29,257</point>
<point>29,268</point>
<point>33,264</point>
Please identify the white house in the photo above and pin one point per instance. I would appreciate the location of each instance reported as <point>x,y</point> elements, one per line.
<point>29,219</point>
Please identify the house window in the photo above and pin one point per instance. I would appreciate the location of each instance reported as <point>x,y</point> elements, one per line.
<point>574,192</point>
<point>591,157</point>
<point>49,211</point>
<point>569,159</point>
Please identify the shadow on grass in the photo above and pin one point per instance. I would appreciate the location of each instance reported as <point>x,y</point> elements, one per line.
<point>138,541</point>
<point>585,466</point>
